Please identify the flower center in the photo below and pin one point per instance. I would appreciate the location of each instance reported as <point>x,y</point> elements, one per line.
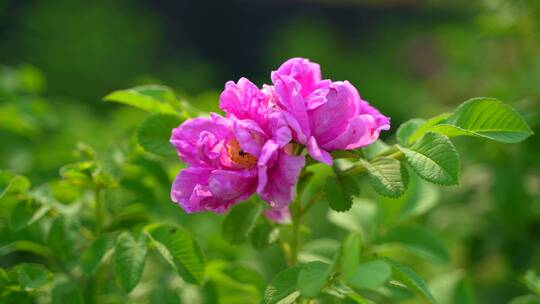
<point>238,156</point>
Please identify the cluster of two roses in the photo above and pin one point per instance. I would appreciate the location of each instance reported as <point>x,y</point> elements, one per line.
<point>251,149</point>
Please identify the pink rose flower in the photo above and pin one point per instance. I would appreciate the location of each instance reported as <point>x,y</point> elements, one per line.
<point>324,115</point>
<point>231,158</point>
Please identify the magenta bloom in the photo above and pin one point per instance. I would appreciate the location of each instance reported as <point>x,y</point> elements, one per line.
<point>231,158</point>
<point>324,115</point>
<point>281,215</point>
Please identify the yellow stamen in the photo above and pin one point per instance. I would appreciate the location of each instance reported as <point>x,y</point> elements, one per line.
<point>238,156</point>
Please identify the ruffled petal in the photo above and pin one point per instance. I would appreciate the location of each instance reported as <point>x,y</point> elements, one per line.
<point>196,138</point>
<point>282,178</point>
<point>317,153</point>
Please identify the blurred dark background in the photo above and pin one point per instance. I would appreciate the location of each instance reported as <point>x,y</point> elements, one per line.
<point>409,58</point>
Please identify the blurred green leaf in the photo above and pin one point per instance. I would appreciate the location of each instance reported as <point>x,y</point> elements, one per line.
<point>435,159</point>
<point>312,277</point>
<point>527,299</point>
<point>283,288</point>
<point>418,239</point>
<point>388,176</point>
<point>339,191</point>
<point>96,253</point>
<point>24,214</point>
<point>129,259</point>
<point>411,279</point>
<point>361,218</point>
<point>150,98</point>
<point>350,254</point>
<point>370,274</point>
<point>66,291</point>
<point>374,149</point>
<point>532,280</point>
<point>63,234</point>
<point>18,184</point>
<point>263,235</point>
<point>180,250</point>
<point>240,222</point>
<point>154,133</point>
<point>32,276</point>
<point>485,117</point>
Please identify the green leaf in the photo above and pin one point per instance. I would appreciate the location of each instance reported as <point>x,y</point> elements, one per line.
<point>66,291</point>
<point>435,159</point>
<point>420,197</point>
<point>407,129</point>
<point>339,191</point>
<point>150,98</point>
<point>388,176</point>
<point>411,279</point>
<point>361,218</point>
<point>418,239</point>
<point>154,133</point>
<point>370,274</point>
<point>24,215</point>
<point>423,129</point>
<point>32,276</point>
<point>96,253</point>
<point>485,117</point>
<point>17,185</point>
<point>263,235</point>
<point>129,259</point>
<point>452,287</point>
<point>350,254</point>
<point>63,234</point>
<point>240,221</point>
<point>283,288</point>
<point>312,278</point>
<point>180,250</point>
<point>374,149</point>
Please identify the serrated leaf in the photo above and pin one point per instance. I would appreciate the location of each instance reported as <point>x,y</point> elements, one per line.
<point>370,274</point>
<point>240,221</point>
<point>283,288</point>
<point>32,276</point>
<point>154,133</point>
<point>435,159</point>
<point>484,117</point>
<point>129,259</point>
<point>180,250</point>
<point>418,239</point>
<point>95,253</point>
<point>388,176</point>
<point>407,129</point>
<point>339,192</point>
<point>312,278</point>
<point>424,128</point>
<point>350,254</point>
<point>150,98</point>
<point>411,279</point>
